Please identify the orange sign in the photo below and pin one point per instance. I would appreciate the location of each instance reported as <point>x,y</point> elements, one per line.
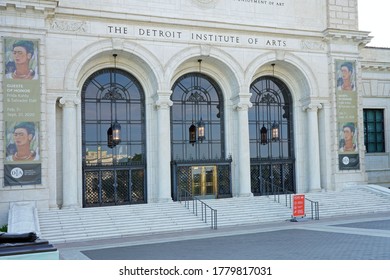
<point>299,205</point>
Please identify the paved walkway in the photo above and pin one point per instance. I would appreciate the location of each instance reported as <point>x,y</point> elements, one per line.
<point>364,237</point>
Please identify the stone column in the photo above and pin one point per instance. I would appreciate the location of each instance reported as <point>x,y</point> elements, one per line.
<point>243,149</point>
<point>69,152</point>
<point>52,151</point>
<point>313,147</point>
<point>163,104</point>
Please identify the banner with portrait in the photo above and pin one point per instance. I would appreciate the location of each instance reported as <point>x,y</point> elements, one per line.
<point>22,112</point>
<point>347,115</point>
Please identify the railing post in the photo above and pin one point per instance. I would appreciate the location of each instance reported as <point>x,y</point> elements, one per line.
<point>204,206</point>
<point>216,219</point>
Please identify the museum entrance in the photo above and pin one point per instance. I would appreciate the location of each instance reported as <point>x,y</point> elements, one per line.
<point>113,139</point>
<point>271,137</point>
<point>204,181</point>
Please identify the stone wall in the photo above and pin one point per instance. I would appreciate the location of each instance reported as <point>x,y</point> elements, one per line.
<point>343,14</point>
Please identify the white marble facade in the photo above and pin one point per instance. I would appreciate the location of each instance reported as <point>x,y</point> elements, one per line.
<point>158,41</point>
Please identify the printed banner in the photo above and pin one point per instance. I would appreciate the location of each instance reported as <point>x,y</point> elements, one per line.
<point>347,115</point>
<point>299,205</point>
<point>22,112</point>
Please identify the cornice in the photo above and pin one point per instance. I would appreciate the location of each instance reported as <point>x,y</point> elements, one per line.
<point>367,66</point>
<point>359,37</point>
<point>46,6</point>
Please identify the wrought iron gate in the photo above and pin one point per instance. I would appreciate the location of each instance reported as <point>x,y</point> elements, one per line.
<point>271,178</point>
<point>108,186</point>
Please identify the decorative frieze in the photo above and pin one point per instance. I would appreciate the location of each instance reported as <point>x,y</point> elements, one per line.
<point>69,26</point>
<point>312,45</point>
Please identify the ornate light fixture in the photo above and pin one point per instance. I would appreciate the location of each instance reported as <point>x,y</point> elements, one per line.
<point>114,131</point>
<point>192,134</point>
<point>275,132</point>
<point>201,135</point>
<point>263,135</point>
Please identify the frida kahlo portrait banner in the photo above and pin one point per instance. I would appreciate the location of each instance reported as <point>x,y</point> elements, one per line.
<point>347,115</point>
<point>22,112</point>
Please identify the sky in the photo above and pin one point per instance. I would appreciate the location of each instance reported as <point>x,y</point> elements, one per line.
<point>374,16</point>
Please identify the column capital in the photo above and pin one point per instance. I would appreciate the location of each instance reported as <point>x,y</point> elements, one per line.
<point>312,107</point>
<point>242,101</point>
<point>162,99</point>
<point>69,101</point>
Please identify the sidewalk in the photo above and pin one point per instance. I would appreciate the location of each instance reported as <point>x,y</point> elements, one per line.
<point>363,237</point>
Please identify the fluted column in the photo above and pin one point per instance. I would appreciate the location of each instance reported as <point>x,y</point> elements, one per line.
<point>313,147</point>
<point>163,104</point>
<point>69,152</point>
<point>243,157</point>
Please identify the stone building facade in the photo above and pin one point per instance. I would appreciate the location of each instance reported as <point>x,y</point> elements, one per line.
<point>261,80</point>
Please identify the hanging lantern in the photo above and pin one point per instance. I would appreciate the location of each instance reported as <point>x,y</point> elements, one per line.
<point>201,132</point>
<point>110,143</point>
<point>192,134</point>
<point>275,132</point>
<point>263,136</point>
<point>116,133</point>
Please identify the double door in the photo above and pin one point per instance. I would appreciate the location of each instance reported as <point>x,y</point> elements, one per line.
<point>204,181</point>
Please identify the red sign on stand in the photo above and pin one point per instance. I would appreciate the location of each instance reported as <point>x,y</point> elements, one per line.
<point>299,205</point>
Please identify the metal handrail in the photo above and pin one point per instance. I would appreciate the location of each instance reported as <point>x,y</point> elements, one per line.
<point>314,208</point>
<point>314,205</point>
<point>188,197</point>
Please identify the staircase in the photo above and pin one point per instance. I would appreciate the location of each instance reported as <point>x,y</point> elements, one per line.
<point>68,225</point>
<point>352,201</point>
<point>248,210</point>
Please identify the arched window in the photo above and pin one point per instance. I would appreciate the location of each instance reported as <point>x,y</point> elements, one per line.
<point>271,137</point>
<point>113,174</point>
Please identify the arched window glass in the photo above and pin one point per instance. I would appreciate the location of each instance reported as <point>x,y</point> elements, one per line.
<point>197,98</point>
<point>112,95</point>
<point>271,112</point>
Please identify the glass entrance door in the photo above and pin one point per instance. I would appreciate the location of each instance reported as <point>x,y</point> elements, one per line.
<point>204,181</point>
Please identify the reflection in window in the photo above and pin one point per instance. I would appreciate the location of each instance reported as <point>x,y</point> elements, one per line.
<point>98,112</point>
<point>374,134</point>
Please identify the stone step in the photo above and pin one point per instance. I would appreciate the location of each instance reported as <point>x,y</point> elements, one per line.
<point>69,225</point>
